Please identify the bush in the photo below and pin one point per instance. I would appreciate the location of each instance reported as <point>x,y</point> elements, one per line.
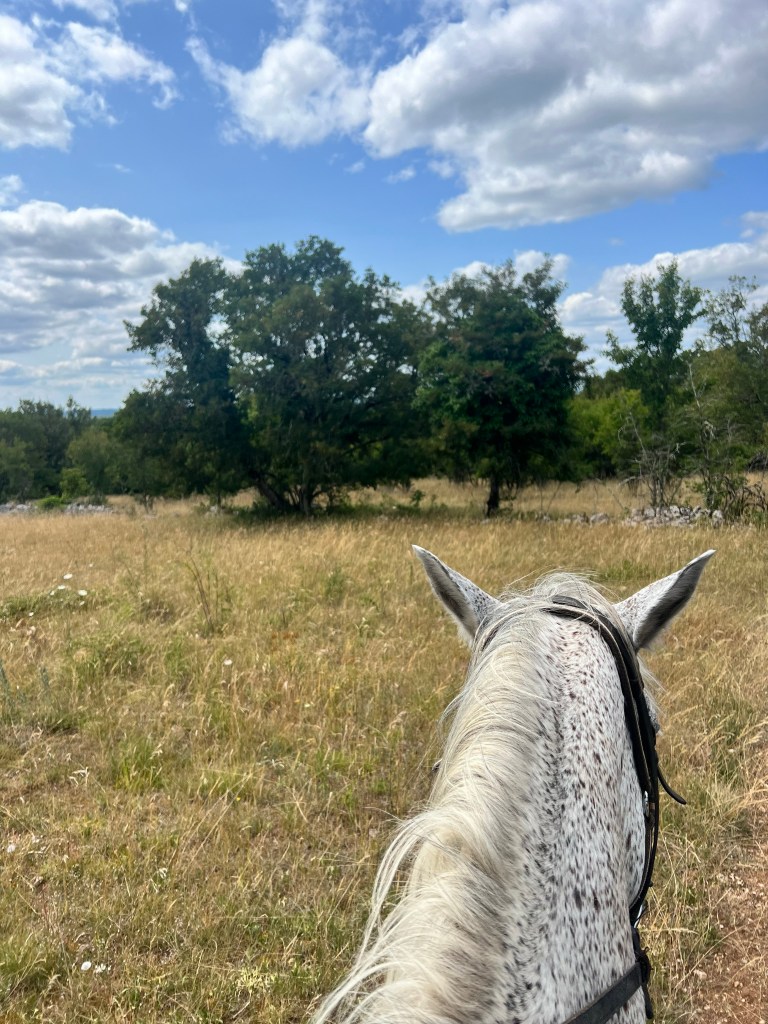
<point>51,503</point>
<point>73,483</point>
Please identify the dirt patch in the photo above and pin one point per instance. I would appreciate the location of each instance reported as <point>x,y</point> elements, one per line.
<point>730,985</point>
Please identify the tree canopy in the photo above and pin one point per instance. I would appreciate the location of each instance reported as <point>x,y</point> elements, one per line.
<point>297,376</point>
<point>497,376</point>
<point>659,311</point>
<point>203,428</point>
<point>325,367</point>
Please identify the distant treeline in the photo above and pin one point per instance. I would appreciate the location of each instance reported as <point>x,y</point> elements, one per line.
<point>303,379</point>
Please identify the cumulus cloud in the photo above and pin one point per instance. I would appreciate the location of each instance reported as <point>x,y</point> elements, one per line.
<point>299,93</point>
<point>97,55</point>
<point>50,74</point>
<point>557,109</point>
<point>542,110</point>
<point>34,99</point>
<point>68,279</point>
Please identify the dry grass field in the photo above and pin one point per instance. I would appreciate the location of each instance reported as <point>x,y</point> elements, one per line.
<point>208,725</point>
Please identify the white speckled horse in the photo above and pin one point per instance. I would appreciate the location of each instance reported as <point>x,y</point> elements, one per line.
<point>519,875</point>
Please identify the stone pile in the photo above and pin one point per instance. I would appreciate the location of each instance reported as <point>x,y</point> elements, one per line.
<point>76,509</point>
<point>11,509</point>
<point>674,515</point>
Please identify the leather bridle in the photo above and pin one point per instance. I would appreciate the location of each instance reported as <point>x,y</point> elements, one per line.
<point>642,735</point>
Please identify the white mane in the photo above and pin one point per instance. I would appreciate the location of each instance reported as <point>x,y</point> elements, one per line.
<point>436,956</point>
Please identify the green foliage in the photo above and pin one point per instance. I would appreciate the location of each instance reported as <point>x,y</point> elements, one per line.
<point>201,446</point>
<point>146,427</point>
<point>305,380</point>
<point>325,368</point>
<point>604,429</point>
<point>17,469</point>
<point>732,363</point>
<point>659,311</point>
<point>33,447</point>
<point>497,377</point>
<point>73,483</point>
<point>52,503</point>
<point>95,456</point>
<point>136,765</point>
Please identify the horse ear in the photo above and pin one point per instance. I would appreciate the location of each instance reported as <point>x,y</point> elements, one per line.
<point>646,613</point>
<point>466,603</point>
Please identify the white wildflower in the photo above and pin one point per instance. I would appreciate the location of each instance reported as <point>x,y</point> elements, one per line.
<point>227,662</point>
<point>100,968</point>
<point>85,965</point>
<point>82,593</point>
<point>10,848</point>
<point>67,576</point>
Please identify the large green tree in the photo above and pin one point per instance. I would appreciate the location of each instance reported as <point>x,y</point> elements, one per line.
<point>325,368</point>
<point>202,437</point>
<point>497,376</point>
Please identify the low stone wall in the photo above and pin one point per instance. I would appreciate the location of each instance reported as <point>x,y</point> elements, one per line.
<point>21,508</point>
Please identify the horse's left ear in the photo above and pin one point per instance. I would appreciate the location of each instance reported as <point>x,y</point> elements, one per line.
<point>467,604</point>
<point>651,609</point>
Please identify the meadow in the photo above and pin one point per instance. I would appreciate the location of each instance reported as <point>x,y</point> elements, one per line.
<point>209,724</point>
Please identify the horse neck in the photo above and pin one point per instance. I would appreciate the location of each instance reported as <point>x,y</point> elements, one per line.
<point>540,767</point>
<point>584,854</point>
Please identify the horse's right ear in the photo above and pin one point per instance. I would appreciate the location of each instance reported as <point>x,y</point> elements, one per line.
<point>650,610</point>
<point>466,603</point>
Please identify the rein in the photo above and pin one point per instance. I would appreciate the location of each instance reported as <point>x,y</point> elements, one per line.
<point>643,738</point>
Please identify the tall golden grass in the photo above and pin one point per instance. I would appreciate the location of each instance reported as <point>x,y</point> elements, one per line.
<point>208,725</point>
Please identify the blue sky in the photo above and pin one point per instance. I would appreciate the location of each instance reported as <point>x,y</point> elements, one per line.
<point>424,138</point>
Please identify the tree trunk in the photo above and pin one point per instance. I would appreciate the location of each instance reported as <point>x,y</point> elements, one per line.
<point>494,497</point>
<point>275,499</point>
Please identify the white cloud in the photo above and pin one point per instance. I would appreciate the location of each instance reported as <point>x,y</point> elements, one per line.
<point>34,99</point>
<point>68,279</point>
<point>299,93</point>
<point>404,174</point>
<point>532,259</point>
<point>754,222</point>
<point>10,186</point>
<point>99,10</point>
<point>97,55</point>
<point>542,110</point>
<point>557,109</point>
<point>49,74</point>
